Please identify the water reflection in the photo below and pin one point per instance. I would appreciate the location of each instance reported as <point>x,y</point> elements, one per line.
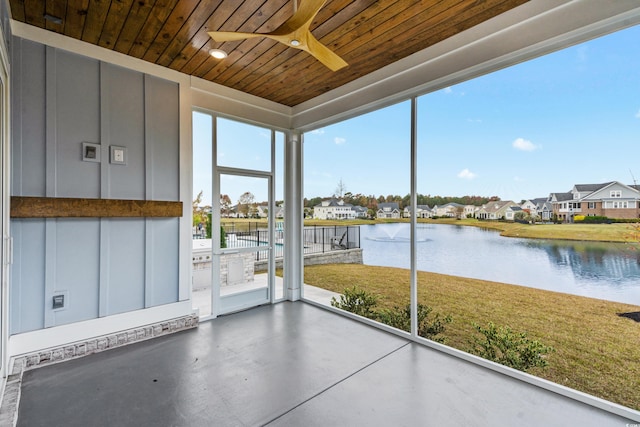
<point>617,263</point>
<point>600,270</point>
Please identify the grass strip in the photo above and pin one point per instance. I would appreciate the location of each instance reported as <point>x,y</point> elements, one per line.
<point>597,351</point>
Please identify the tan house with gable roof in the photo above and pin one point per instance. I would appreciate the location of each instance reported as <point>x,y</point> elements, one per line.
<point>495,210</point>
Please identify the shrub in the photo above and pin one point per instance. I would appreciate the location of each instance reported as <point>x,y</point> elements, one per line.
<point>400,317</point>
<point>207,226</point>
<point>223,234</point>
<point>579,218</point>
<point>223,238</point>
<point>596,220</point>
<point>357,301</point>
<point>625,220</point>
<point>510,348</point>
<point>360,302</point>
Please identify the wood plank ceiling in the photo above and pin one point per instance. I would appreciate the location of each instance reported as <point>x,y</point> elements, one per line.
<point>368,34</point>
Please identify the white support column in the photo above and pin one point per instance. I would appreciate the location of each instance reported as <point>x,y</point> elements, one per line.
<point>293,247</point>
<point>414,219</point>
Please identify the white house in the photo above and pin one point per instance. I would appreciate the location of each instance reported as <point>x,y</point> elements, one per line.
<point>361,211</point>
<point>539,208</point>
<point>422,211</point>
<point>511,211</point>
<point>262,210</point>
<point>388,210</point>
<point>470,211</point>
<point>451,210</point>
<point>334,209</point>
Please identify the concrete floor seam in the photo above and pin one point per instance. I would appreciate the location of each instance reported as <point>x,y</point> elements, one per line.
<point>337,383</point>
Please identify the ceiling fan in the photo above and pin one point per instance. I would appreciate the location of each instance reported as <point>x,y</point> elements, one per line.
<point>294,33</point>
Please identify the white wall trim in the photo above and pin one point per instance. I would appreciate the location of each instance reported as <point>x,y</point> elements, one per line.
<point>65,334</point>
<point>49,38</point>
<point>239,105</point>
<point>185,264</point>
<point>6,244</point>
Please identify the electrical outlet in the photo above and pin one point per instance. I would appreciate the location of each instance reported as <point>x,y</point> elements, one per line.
<point>58,301</point>
<point>118,155</point>
<point>90,152</point>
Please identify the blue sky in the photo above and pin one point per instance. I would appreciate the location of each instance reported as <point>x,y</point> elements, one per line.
<point>538,127</point>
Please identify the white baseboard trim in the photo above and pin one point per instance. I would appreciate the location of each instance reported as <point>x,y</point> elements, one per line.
<point>64,335</point>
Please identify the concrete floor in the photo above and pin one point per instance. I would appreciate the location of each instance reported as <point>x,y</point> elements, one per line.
<point>290,364</point>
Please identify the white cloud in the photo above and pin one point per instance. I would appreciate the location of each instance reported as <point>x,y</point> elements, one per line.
<point>638,115</point>
<point>466,174</point>
<point>474,120</point>
<point>318,132</point>
<point>517,179</point>
<point>339,141</point>
<point>449,90</point>
<point>524,145</point>
<point>582,53</point>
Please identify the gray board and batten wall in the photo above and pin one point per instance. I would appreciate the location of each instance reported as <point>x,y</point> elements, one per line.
<point>103,266</point>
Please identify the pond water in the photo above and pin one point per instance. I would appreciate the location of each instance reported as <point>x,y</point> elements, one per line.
<point>609,271</point>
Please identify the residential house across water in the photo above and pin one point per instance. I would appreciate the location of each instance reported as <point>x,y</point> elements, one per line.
<point>334,209</point>
<point>422,211</point>
<point>611,199</point>
<point>388,210</point>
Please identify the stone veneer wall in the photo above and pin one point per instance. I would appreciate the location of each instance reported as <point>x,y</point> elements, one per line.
<point>202,268</point>
<point>99,344</point>
<point>346,256</point>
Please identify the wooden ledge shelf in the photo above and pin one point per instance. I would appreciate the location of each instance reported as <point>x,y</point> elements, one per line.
<point>59,207</point>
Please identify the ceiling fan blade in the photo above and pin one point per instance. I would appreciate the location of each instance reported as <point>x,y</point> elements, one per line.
<point>294,32</point>
<point>231,36</point>
<point>324,54</point>
<point>307,10</point>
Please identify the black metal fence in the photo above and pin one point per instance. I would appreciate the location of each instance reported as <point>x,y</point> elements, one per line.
<point>245,226</point>
<point>320,239</point>
<point>316,239</point>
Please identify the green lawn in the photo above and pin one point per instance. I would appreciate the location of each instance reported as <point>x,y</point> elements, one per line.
<point>597,351</point>
<point>625,233</point>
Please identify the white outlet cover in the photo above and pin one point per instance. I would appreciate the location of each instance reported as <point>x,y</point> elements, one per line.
<point>118,155</point>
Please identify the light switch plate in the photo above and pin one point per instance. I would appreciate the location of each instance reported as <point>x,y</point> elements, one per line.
<point>118,155</point>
